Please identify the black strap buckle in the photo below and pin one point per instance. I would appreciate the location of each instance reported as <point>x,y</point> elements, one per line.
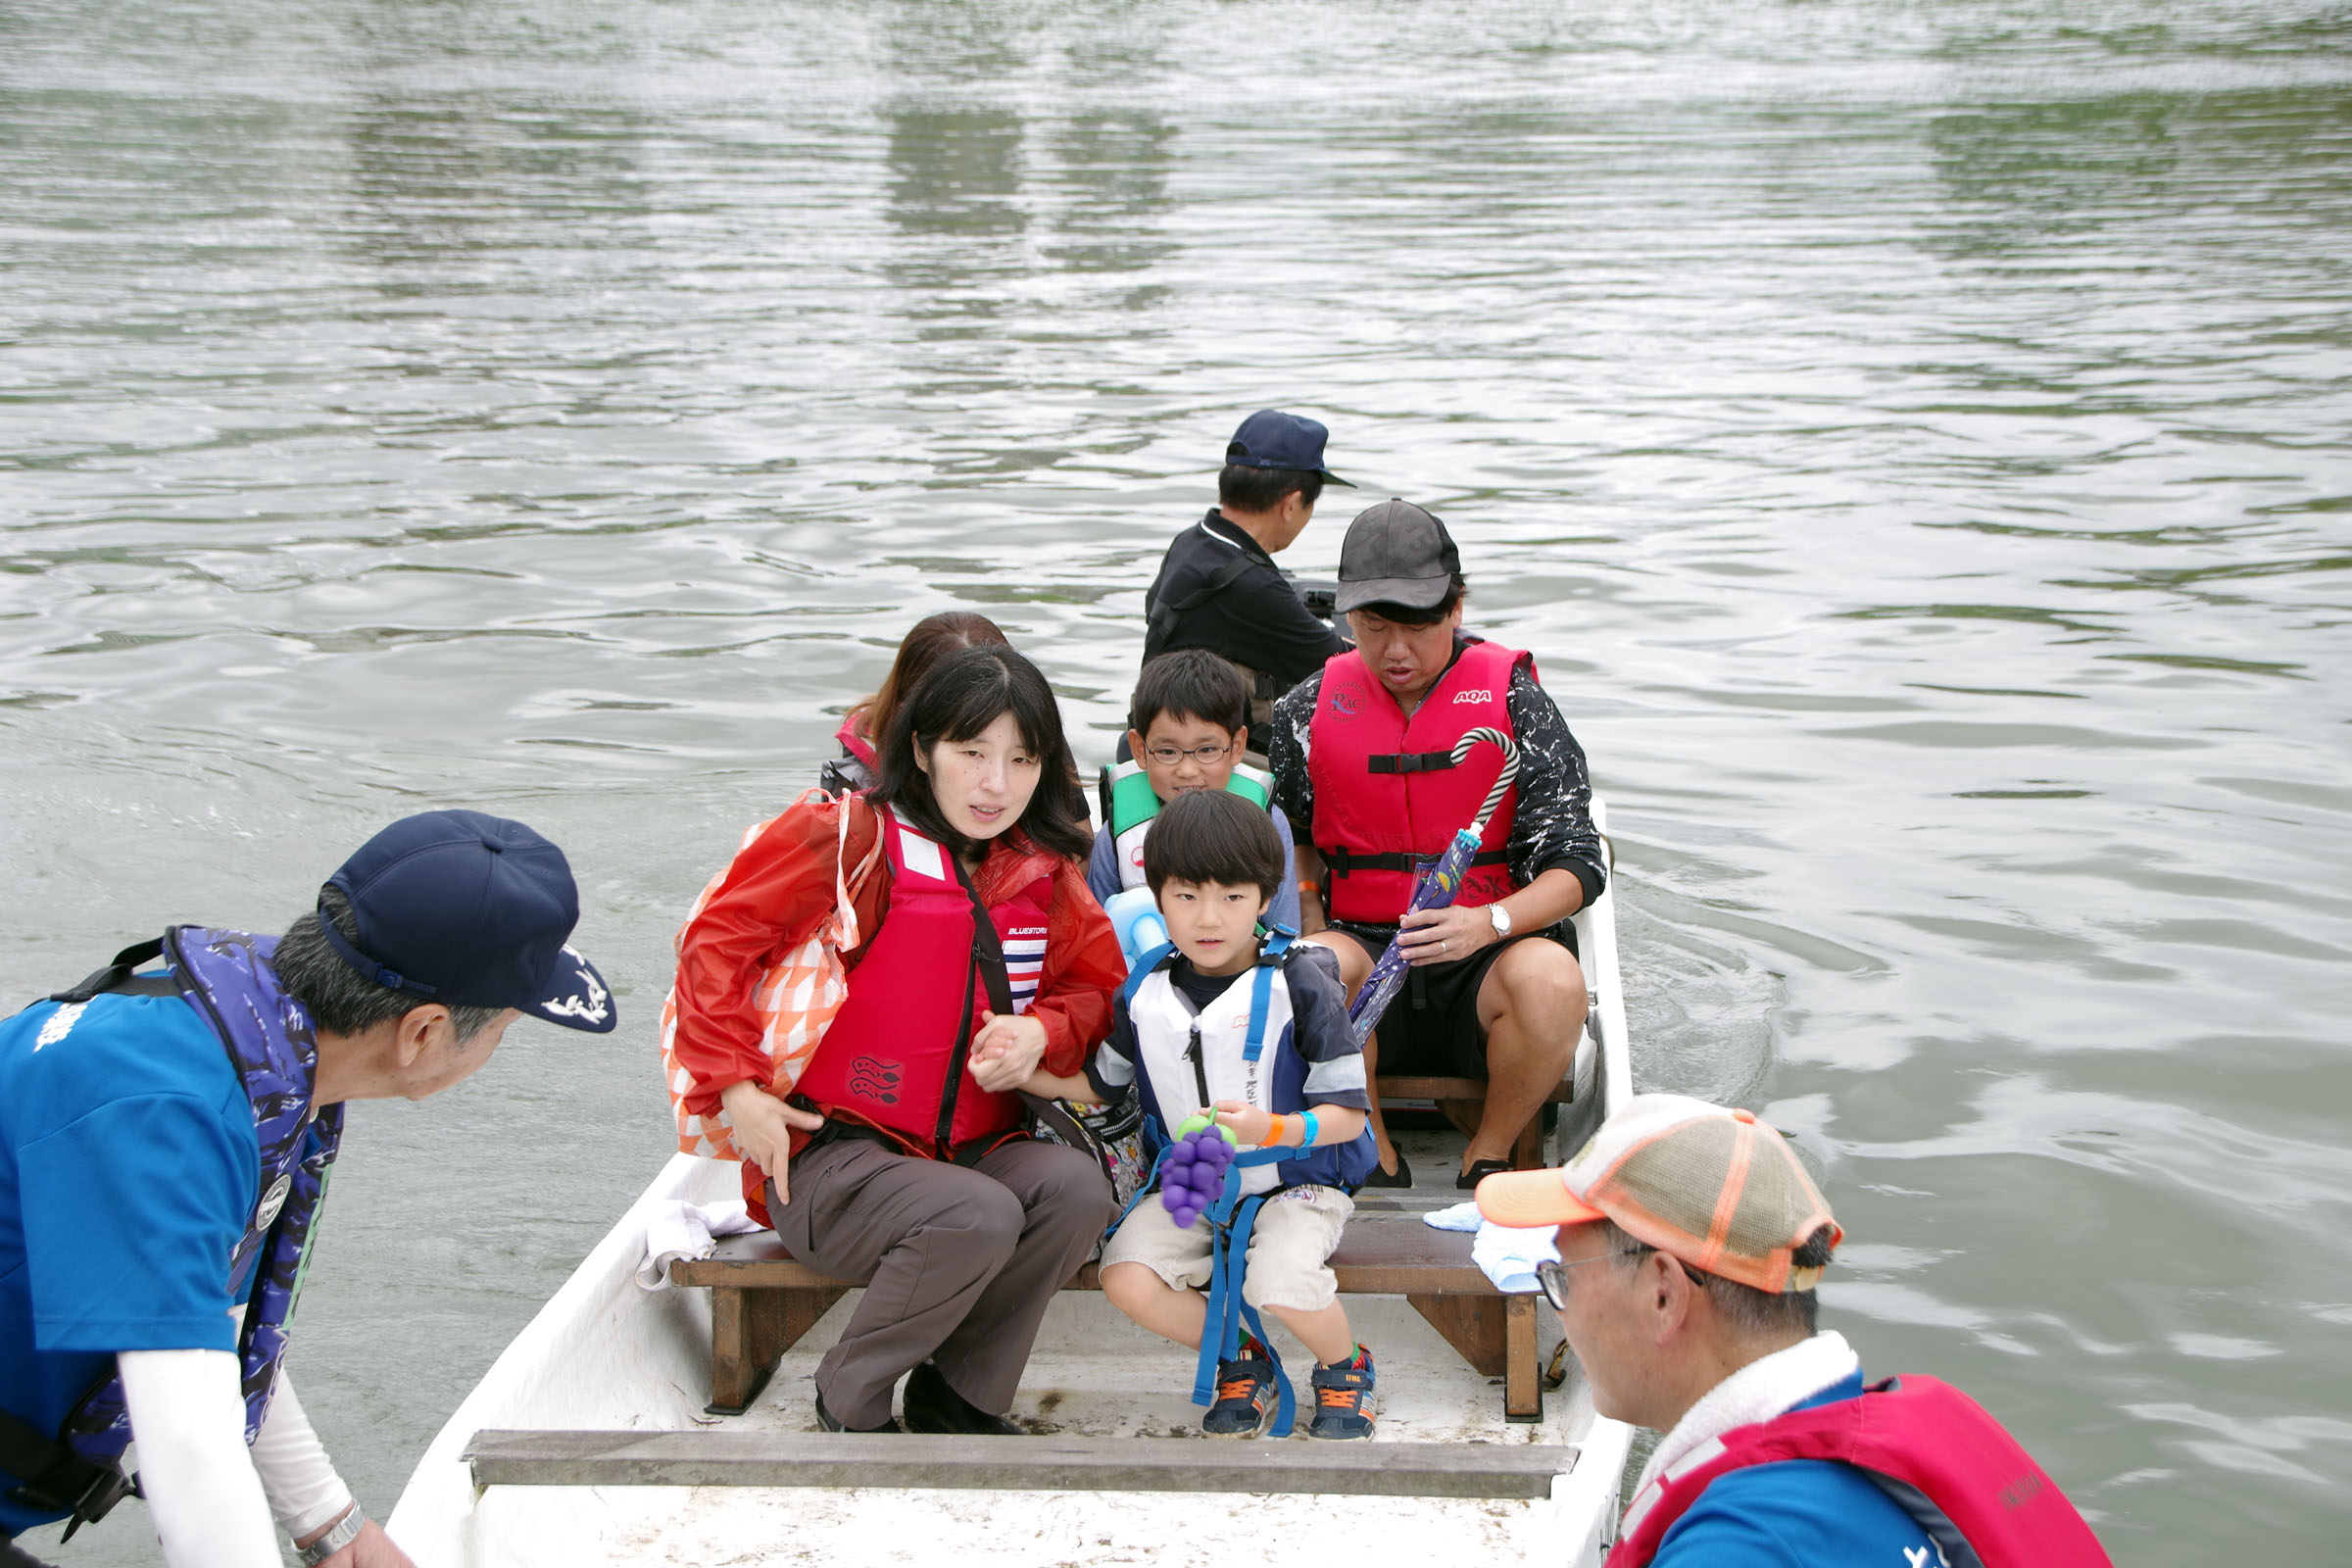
<point>96,1498</point>
<point>1408,761</point>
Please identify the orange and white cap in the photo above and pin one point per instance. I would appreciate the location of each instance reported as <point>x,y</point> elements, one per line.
<point>1715,1188</point>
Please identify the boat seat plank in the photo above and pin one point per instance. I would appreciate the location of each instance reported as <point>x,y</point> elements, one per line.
<point>1011,1465</point>
<point>763,1299</point>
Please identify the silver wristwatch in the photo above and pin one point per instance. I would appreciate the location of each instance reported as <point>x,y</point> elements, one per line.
<point>1501,919</point>
<point>342,1533</point>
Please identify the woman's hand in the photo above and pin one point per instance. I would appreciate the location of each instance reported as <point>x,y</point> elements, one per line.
<point>763,1127</point>
<point>1444,936</point>
<point>1006,1051</point>
<point>1244,1121</point>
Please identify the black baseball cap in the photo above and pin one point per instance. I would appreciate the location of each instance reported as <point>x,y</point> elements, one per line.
<point>1397,554</point>
<point>472,911</point>
<point>1273,439</point>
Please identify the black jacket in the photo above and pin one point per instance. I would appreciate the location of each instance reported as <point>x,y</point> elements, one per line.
<point>1218,589</point>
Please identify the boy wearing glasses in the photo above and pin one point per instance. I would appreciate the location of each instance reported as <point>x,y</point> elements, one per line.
<point>1188,723</point>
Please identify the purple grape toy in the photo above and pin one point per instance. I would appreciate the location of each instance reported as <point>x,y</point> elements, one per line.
<point>1193,1176</point>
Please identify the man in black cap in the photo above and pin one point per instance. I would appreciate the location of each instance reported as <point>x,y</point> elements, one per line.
<point>164,1139</point>
<point>1363,761</point>
<point>1218,587</point>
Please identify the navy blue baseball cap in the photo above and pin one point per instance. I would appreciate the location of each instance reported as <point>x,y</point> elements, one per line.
<point>472,910</point>
<point>1273,439</point>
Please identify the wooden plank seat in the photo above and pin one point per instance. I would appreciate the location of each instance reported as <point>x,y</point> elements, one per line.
<point>735,1458</point>
<point>763,1300</point>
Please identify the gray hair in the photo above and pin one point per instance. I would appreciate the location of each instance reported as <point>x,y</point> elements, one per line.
<point>1752,1313</point>
<point>337,998</point>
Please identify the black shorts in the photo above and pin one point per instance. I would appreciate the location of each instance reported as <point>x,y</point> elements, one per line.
<point>1431,1030</point>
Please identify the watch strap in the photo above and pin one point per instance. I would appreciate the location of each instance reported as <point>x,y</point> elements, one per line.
<point>342,1533</point>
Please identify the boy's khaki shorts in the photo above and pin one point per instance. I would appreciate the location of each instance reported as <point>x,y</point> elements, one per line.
<point>1289,1248</point>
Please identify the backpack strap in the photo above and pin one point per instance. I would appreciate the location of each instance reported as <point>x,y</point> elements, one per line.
<point>1147,963</point>
<point>117,977</point>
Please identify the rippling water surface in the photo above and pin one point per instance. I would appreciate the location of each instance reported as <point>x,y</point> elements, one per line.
<point>1915,439</point>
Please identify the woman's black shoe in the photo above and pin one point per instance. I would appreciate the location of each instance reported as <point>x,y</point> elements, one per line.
<point>832,1423</point>
<point>933,1406</point>
<point>1402,1176</point>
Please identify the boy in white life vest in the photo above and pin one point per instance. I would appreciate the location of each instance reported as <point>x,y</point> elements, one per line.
<point>1199,1031</point>
<point>1187,728</point>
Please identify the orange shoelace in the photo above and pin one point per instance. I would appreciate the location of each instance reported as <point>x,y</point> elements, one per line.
<point>1338,1398</point>
<point>1240,1389</point>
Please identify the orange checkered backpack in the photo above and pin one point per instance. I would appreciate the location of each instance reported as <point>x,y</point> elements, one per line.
<point>796,999</point>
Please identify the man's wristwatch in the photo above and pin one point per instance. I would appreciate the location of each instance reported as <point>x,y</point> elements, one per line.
<point>342,1533</point>
<point>1501,917</point>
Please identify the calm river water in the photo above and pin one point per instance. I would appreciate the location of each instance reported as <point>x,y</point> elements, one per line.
<point>1915,438</point>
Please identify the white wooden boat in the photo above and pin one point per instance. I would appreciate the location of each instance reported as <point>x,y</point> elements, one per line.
<point>587,1443</point>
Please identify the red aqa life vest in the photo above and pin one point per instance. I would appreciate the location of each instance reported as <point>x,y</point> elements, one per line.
<point>1388,797</point>
<point>1952,1467</point>
<point>897,1054</point>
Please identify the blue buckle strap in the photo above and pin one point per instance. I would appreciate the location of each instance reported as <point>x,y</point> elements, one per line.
<point>1233,1219</point>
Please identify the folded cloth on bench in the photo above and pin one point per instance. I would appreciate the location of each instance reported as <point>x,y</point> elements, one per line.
<point>675,1229</point>
<point>1507,1253</point>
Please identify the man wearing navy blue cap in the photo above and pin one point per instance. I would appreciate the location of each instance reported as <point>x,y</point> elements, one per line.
<point>164,1139</point>
<point>1218,587</point>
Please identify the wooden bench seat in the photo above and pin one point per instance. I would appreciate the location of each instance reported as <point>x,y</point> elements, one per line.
<point>763,1300</point>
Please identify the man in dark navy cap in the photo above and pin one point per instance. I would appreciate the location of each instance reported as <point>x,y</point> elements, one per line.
<point>1218,587</point>
<point>164,1139</point>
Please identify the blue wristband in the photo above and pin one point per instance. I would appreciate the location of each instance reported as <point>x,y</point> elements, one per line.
<point>1306,1139</point>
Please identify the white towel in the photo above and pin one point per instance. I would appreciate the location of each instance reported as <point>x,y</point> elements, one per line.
<point>1461,1216</point>
<point>1509,1254</point>
<point>674,1229</point>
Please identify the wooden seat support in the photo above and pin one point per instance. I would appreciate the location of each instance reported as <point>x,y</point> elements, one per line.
<point>763,1300</point>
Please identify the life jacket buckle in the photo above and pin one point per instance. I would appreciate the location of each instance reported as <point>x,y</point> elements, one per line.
<point>106,1486</point>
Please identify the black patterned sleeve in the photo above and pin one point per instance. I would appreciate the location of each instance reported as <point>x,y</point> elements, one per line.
<point>1286,755</point>
<point>1553,825</point>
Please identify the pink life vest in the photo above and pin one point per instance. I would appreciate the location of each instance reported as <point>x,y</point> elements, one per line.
<point>894,1057</point>
<point>1931,1447</point>
<point>1388,797</point>
<point>854,744</point>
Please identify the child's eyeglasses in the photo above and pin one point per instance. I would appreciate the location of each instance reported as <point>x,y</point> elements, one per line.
<point>1170,756</point>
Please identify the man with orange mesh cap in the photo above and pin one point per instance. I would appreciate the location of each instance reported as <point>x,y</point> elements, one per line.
<point>1691,1240</point>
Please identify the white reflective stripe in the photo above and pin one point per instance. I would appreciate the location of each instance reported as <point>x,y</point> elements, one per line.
<point>1340,1073</point>
<point>1652,1494</point>
<point>920,856</point>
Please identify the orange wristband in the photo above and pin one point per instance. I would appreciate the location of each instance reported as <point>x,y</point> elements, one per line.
<point>1275,1129</point>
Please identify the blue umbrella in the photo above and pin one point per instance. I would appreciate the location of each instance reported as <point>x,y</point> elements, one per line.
<point>1438,887</point>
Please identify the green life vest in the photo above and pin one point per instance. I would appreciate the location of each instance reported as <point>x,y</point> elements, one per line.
<point>1133,806</point>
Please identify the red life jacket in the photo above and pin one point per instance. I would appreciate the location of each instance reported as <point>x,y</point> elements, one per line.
<point>1388,797</point>
<point>1932,1448</point>
<point>894,1057</point>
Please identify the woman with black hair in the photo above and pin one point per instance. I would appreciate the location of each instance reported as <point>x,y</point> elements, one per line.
<point>976,956</point>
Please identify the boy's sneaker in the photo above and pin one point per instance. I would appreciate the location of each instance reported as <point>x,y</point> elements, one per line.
<point>1344,1399</point>
<point>1245,1393</point>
